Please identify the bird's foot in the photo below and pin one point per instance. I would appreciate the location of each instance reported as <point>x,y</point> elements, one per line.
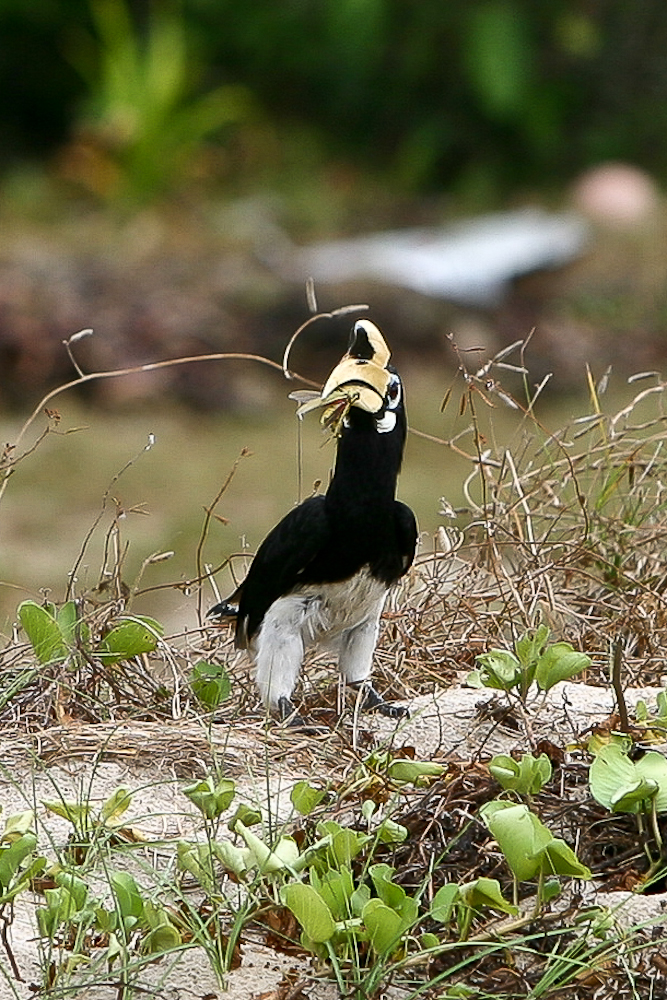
<point>372,701</point>
<point>288,714</point>
<point>290,718</point>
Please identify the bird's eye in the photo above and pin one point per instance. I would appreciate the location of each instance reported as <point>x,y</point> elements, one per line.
<point>393,392</point>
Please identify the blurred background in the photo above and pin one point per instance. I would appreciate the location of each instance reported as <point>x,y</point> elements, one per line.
<point>171,173</point>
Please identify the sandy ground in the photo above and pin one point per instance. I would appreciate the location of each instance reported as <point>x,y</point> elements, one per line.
<point>88,762</point>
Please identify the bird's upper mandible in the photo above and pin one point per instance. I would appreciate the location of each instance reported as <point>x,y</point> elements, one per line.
<point>363,371</point>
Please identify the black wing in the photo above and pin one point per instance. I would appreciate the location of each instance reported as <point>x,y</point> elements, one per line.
<point>406,532</point>
<point>281,561</point>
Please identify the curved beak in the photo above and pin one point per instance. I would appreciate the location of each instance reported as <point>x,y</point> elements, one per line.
<point>361,376</point>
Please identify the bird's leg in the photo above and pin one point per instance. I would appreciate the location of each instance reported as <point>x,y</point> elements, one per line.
<point>355,661</point>
<point>372,701</point>
<point>277,651</point>
<point>288,714</point>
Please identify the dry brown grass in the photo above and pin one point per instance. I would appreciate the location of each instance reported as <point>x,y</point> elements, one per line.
<point>565,527</point>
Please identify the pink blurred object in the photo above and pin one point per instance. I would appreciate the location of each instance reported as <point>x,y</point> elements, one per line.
<point>616,193</point>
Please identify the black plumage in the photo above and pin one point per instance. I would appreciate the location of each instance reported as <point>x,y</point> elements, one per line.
<point>323,573</point>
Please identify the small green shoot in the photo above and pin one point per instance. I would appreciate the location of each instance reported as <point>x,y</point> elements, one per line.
<point>211,797</point>
<point>656,721</point>
<point>526,776</point>
<point>532,661</point>
<point>92,826</point>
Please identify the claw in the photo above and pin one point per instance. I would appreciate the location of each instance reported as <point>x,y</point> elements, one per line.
<point>371,701</point>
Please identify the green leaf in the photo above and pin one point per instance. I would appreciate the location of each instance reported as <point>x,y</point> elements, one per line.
<point>622,785</point>
<point>525,776</point>
<point>385,927</point>
<point>558,662</point>
<point>393,895</point>
<point>551,889</point>
<point>652,767</point>
<point>390,893</point>
<point>560,859</point>
<point>283,855</point>
<point>444,901</point>
<point>310,910</point>
<point>196,859</point>
<point>18,824</point>
<point>128,897</point>
<point>248,815</point>
<point>411,771</point>
<point>391,832</point>
<point>359,898</point>
<point>486,892</point>
<point>336,889</point>
<point>235,859</point>
<point>661,704</point>
<point>32,870</point>
<point>132,637</point>
<point>76,887</point>
<point>344,844</point>
<point>78,814</point>
<point>306,797</point>
<point>161,939</point>
<point>12,856</point>
<point>519,838</point>
<point>528,845</point>
<point>115,806</point>
<point>66,618</point>
<point>530,646</point>
<point>43,632</point>
<point>210,683</point>
<point>500,670</point>
<point>286,851</point>
<point>60,908</point>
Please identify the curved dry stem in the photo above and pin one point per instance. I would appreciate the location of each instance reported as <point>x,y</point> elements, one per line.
<point>343,311</point>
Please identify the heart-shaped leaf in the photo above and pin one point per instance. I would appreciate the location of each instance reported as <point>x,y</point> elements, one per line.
<point>310,910</point>
<point>558,662</point>
<point>43,632</point>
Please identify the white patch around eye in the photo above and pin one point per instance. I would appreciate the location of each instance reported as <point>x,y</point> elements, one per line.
<point>386,423</point>
<point>393,396</point>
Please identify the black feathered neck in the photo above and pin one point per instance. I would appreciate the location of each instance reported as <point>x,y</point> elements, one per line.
<point>360,503</point>
<point>367,461</point>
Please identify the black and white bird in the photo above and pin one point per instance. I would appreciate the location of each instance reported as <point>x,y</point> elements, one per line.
<point>322,575</point>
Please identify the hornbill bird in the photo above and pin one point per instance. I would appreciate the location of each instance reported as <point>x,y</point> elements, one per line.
<point>322,575</point>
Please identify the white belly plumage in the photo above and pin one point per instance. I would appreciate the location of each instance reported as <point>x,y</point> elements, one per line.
<point>335,608</point>
<point>343,616</point>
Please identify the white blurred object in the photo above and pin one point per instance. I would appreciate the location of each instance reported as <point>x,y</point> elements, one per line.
<point>617,194</point>
<point>471,262</point>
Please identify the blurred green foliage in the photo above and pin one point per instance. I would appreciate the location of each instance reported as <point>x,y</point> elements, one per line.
<point>490,93</point>
<point>143,124</point>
